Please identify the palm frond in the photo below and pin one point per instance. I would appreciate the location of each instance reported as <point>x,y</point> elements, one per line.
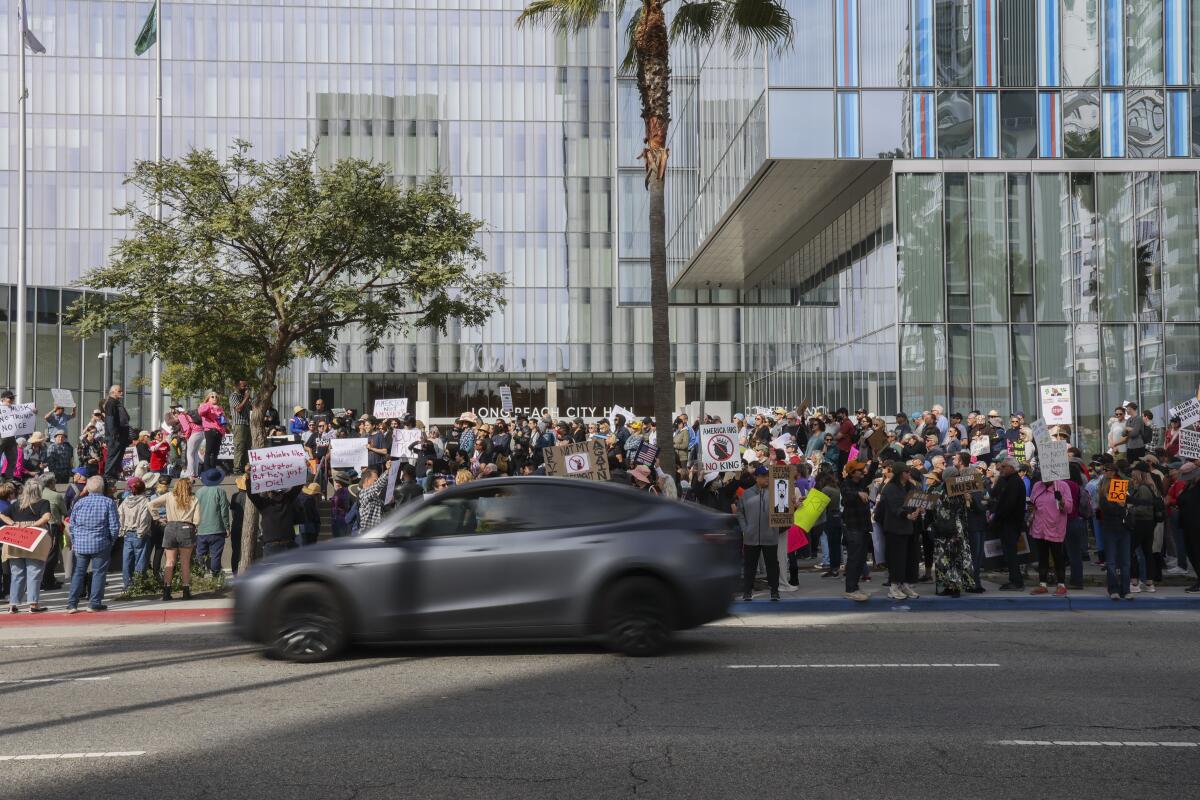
<point>742,25</point>
<point>564,16</point>
<point>630,59</point>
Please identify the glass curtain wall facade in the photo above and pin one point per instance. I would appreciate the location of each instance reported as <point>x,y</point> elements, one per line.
<point>1043,190</point>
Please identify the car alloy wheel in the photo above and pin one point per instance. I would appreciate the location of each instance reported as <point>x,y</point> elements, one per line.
<point>308,624</point>
<point>639,616</point>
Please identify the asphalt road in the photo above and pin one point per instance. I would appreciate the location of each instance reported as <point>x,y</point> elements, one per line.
<point>738,711</point>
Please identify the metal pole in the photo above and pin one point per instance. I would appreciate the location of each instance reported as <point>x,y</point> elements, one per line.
<point>155,363</point>
<point>19,380</point>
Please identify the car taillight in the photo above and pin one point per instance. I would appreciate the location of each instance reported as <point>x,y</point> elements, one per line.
<point>716,537</point>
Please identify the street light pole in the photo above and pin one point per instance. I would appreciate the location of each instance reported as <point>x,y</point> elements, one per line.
<point>155,362</point>
<point>21,312</point>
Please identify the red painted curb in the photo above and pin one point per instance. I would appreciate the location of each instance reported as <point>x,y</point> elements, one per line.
<point>131,617</point>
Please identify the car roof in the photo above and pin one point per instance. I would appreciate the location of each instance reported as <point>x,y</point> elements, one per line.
<point>619,489</point>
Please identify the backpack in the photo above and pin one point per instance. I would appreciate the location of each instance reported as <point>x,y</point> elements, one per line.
<point>1085,510</point>
<point>1160,508</point>
<point>195,415</point>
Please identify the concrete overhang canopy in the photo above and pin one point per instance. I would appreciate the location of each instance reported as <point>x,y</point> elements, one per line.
<point>786,204</point>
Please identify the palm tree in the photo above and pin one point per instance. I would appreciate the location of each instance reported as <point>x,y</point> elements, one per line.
<point>741,25</point>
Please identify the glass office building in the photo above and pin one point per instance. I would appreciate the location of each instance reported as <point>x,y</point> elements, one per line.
<point>966,198</point>
<point>920,201</point>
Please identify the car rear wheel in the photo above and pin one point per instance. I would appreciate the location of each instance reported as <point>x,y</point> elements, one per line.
<point>638,616</point>
<point>307,624</point>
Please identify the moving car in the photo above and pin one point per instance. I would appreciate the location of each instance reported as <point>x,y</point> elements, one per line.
<point>504,558</point>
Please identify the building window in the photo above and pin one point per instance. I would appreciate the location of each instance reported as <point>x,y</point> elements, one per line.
<point>919,211</point>
<point>1049,125</point>
<point>954,43</point>
<point>955,124</point>
<point>958,248</point>
<point>1018,124</point>
<point>883,118</point>
<point>922,42</point>
<point>1052,247</point>
<point>1018,44</point>
<point>847,42</point>
<point>1147,124</point>
<point>924,125</point>
<point>809,62</point>
<point>1114,125</point>
<point>987,126</point>
<point>1114,215</point>
<point>884,51</point>
<point>985,42</point>
<point>802,124</point>
<point>1177,127</point>
<point>1144,42</point>
<point>1047,42</point>
<point>989,262</point>
<point>1175,42</point>
<point>1081,124</point>
<point>1114,43</point>
<point>1080,42</point>
<point>848,125</point>
<point>922,366</point>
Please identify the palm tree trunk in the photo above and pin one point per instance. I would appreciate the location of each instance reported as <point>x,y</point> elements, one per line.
<point>654,87</point>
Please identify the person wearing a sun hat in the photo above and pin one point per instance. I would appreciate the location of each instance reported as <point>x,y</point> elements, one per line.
<point>215,519</point>
<point>298,424</point>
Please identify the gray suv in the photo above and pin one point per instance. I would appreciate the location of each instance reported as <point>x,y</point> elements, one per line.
<point>506,558</point>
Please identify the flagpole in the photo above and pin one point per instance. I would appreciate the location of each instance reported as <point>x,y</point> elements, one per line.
<point>19,380</point>
<point>156,363</point>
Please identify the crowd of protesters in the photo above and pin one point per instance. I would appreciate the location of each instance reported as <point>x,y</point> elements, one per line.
<point>171,507</point>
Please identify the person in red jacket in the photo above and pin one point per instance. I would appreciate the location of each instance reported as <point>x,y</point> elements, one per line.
<point>160,448</point>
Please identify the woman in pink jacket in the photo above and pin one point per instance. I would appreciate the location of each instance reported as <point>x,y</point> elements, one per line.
<point>211,416</point>
<point>1052,506</point>
<point>192,433</point>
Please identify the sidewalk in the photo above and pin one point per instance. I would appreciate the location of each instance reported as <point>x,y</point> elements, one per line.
<point>120,612</point>
<point>817,594</point>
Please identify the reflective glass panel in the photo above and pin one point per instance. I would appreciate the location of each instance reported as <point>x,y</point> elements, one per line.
<point>1047,42</point>
<point>919,213</point>
<point>1081,124</point>
<point>985,43</point>
<point>809,61</point>
<point>1018,124</point>
<point>1080,42</point>
<point>1178,116</point>
<point>961,378</point>
<point>1175,41</point>
<point>1051,247</point>
<point>1180,270</point>
<point>848,125</point>
<point>1024,373</point>
<point>956,131</point>
<point>922,42</point>
<point>989,264</point>
<point>924,125</point>
<point>987,127</point>
<point>847,42</point>
<point>883,34</point>
<point>958,248</point>
<point>1147,130</point>
<point>801,124</point>
<point>1114,43</point>
<point>883,118</point>
<point>954,43</point>
<point>1018,48</point>
<point>1113,142</point>
<point>1049,125</point>
<point>1114,215</point>
<point>991,364</point>
<point>922,366</point>
<point>1144,42</point>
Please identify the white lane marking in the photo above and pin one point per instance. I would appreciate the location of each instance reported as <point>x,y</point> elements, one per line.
<point>60,756</point>
<point>1043,743</point>
<point>855,666</point>
<point>55,680</point>
<point>17,646</point>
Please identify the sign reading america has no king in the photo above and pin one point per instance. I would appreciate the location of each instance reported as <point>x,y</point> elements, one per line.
<point>718,448</point>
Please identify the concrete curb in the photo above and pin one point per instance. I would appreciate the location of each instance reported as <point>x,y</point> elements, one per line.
<point>1025,602</point>
<point>116,617</point>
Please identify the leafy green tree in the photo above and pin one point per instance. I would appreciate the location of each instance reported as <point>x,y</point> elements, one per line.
<point>742,25</point>
<point>257,263</point>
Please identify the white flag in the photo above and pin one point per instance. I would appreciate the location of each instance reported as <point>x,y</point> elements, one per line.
<point>31,41</point>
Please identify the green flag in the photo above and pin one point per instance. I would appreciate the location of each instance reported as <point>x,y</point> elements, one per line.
<point>149,34</point>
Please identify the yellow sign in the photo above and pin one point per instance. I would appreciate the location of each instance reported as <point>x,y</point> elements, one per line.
<point>1118,490</point>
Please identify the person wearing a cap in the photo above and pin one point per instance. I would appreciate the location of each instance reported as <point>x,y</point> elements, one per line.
<point>134,516</point>
<point>1007,512</point>
<point>759,539</point>
<point>59,457</point>
<point>298,424</point>
<point>58,419</point>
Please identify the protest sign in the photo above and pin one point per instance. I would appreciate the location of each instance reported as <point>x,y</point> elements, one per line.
<point>63,398</point>
<point>348,453</point>
<point>718,448</point>
<point>579,460</point>
<point>622,411</point>
<point>964,483</point>
<point>993,551</point>
<point>26,539</point>
<point>810,510</point>
<point>506,403</point>
<point>981,446</point>
<point>18,420</point>
<point>129,461</point>
<point>921,501</point>
<point>279,467</point>
<point>1052,456</point>
<point>647,454</point>
<point>402,441</point>
<point>1189,444</point>
<point>782,441</point>
<point>1040,432</point>
<point>393,473</point>
<point>878,441</point>
<point>1056,403</point>
<point>226,451</point>
<point>1118,491</point>
<point>391,409</point>
<point>1188,412</point>
<point>782,505</point>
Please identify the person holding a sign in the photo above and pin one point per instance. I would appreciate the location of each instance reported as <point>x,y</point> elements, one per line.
<point>1007,519</point>
<point>26,566</point>
<point>1111,494</point>
<point>759,539</point>
<point>57,420</point>
<point>1143,505</point>
<point>899,533</point>
<point>8,444</point>
<point>1053,504</point>
<point>953,568</point>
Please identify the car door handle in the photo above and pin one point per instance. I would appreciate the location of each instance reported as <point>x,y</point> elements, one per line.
<point>597,541</point>
<point>480,549</point>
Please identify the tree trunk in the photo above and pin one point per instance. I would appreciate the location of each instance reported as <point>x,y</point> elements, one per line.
<point>651,46</point>
<point>258,439</point>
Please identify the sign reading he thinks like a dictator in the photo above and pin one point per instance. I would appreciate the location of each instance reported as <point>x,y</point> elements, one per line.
<point>274,468</point>
<point>718,448</point>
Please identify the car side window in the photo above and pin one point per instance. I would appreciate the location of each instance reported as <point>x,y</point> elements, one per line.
<point>491,510</point>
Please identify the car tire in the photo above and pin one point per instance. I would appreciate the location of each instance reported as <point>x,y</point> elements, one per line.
<point>638,616</point>
<point>307,624</point>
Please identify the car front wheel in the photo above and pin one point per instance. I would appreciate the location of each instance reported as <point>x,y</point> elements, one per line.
<point>638,616</point>
<point>307,624</point>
